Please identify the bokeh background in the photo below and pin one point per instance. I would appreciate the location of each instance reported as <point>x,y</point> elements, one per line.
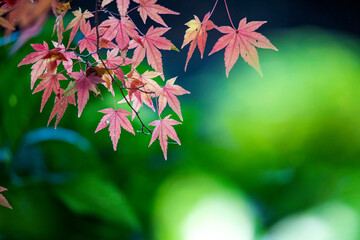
<point>272,158</point>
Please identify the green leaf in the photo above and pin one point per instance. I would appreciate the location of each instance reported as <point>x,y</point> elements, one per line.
<point>90,194</point>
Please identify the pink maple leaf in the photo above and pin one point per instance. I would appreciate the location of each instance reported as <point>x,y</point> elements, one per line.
<point>149,90</point>
<point>84,84</point>
<point>163,130</point>
<point>242,41</point>
<point>167,95</point>
<point>67,62</point>
<point>43,58</point>
<point>77,22</point>
<point>90,40</point>
<point>149,8</point>
<point>197,35</point>
<point>151,42</point>
<point>116,119</point>
<point>122,30</point>
<point>61,104</point>
<point>49,84</point>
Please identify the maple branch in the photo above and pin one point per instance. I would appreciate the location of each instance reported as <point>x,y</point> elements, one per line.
<point>228,13</point>
<point>85,56</point>
<point>98,2</point>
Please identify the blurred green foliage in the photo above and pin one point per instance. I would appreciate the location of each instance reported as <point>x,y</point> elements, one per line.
<point>266,148</point>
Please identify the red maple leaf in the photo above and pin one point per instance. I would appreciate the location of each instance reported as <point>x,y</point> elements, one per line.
<point>61,104</point>
<point>167,95</point>
<point>90,40</point>
<point>197,35</point>
<point>116,119</point>
<point>242,41</point>
<point>113,60</point>
<point>149,8</point>
<point>67,61</point>
<point>163,130</point>
<point>43,58</point>
<point>122,30</point>
<point>151,42</point>
<point>3,201</point>
<point>134,88</point>
<point>77,22</point>
<point>50,83</point>
<point>84,84</point>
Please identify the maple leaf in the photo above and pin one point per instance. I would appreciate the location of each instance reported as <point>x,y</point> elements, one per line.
<point>59,27</point>
<point>68,56</point>
<point>167,95</point>
<point>43,58</point>
<point>3,201</point>
<point>84,84</point>
<point>39,58</point>
<point>90,40</point>
<point>242,41</point>
<point>197,35</point>
<point>59,10</point>
<point>61,104</point>
<point>105,2</point>
<point>149,8</point>
<point>50,83</point>
<point>149,90</point>
<point>112,62</point>
<point>122,6</point>
<point>163,130</point>
<point>150,86</point>
<point>122,30</point>
<point>77,22</point>
<point>116,119</point>
<point>134,85</point>
<point>151,42</point>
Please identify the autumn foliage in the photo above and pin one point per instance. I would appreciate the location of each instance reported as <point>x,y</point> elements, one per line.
<point>70,71</point>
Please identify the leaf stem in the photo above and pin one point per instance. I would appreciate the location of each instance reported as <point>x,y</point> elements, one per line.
<point>228,13</point>
<point>213,9</point>
<point>132,9</point>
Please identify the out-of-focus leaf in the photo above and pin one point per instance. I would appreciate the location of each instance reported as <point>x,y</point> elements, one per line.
<point>90,194</point>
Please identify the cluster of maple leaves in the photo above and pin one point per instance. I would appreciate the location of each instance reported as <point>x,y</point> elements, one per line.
<point>117,35</point>
<point>71,73</point>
